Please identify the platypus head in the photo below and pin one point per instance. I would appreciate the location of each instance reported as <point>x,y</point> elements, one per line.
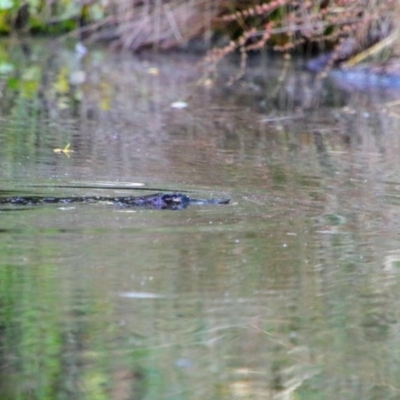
<point>174,201</point>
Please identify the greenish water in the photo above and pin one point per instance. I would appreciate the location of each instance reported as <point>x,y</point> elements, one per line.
<point>290,291</point>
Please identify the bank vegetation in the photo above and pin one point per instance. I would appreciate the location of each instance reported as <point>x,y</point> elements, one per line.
<point>353,29</point>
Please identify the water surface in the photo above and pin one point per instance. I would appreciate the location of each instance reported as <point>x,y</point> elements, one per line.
<point>291,290</point>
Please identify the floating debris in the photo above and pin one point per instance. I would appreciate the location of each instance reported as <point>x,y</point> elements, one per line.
<point>141,295</point>
<point>153,71</point>
<point>179,105</point>
<point>66,150</point>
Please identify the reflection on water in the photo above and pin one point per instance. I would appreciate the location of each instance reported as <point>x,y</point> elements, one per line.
<point>291,291</point>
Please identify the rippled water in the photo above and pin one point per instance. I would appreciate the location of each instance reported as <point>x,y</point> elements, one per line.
<point>290,291</point>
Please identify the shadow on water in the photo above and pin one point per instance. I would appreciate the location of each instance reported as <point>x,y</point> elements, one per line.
<point>291,290</point>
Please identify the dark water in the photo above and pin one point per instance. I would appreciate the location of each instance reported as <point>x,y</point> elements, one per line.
<point>291,291</point>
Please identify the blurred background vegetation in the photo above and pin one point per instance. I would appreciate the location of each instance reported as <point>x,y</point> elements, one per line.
<point>227,24</point>
<point>344,31</point>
